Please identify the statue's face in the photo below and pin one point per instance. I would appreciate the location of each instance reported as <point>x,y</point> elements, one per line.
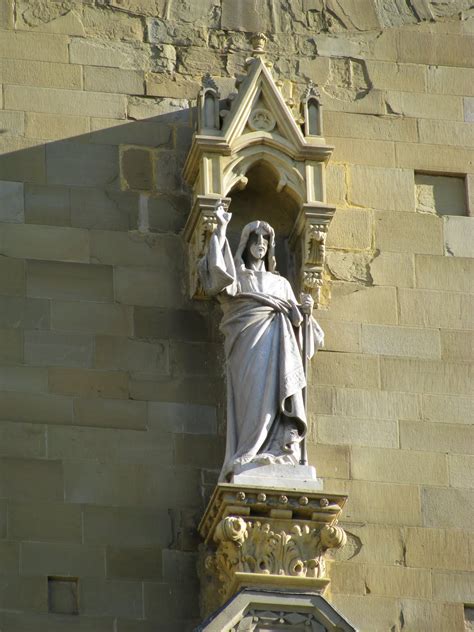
<point>258,244</point>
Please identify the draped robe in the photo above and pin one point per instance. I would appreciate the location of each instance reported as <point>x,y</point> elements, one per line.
<point>262,325</point>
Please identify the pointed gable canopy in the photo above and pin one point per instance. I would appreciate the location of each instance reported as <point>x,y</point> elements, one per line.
<point>260,127</point>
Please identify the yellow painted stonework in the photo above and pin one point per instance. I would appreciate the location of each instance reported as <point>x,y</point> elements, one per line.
<point>112,398</point>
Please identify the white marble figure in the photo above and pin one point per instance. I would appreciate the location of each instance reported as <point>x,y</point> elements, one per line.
<point>262,324</point>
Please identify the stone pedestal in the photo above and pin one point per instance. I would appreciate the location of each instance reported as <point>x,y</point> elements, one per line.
<point>267,537</point>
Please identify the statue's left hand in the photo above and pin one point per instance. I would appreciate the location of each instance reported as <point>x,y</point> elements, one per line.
<point>307,304</point>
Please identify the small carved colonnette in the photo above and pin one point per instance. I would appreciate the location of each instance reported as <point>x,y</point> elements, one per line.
<point>274,537</point>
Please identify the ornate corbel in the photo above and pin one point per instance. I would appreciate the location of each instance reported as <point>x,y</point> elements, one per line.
<point>272,538</point>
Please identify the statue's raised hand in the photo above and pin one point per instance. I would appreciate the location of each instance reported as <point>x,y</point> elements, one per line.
<point>222,216</point>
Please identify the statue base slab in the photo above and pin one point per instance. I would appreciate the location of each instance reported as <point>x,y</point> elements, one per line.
<point>298,477</point>
<point>267,537</point>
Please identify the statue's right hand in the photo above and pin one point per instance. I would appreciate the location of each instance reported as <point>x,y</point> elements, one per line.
<point>223,217</point>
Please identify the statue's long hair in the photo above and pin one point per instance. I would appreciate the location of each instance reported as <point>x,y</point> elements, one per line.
<point>248,229</point>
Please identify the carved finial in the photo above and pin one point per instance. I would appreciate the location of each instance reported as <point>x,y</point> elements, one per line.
<point>311,90</point>
<point>208,82</point>
<point>259,41</point>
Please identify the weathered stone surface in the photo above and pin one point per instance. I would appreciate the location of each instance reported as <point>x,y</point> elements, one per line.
<point>35,407</point>
<point>47,205</point>
<point>408,232</point>
<point>437,548</point>
<point>345,124</point>
<point>457,345</point>
<point>399,581</point>
<point>439,194</point>
<point>41,558</point>
<point>431,616</point>
<point>12,123</point>
<point>332,460</point>
<point>22,160</point>
<point>350,230</point>
<point>340,336</point>
<point>77,163</point>
<point>47,348</point>
<point>382,189</point>
<point>25,313</point>
<point>351,370</point>
<point>461,470</point>
<point>137,168</point>
<point>112,597</point>
<point>22,440</point>
<point>367,305</point>
<point>348,266</point>
<point>11,346</point>
<point>118,526</point>
<point>422,157</point>
<point>375,404</point>
<point>55,126</point>
<point>47,279</point>
<point>134,563</point>
<point>429,106</point>
<point>113,352</point>
<point>133,249</point>
<point>102,209</point>
<point>446,133</point>
<point>93,52</point>
<point>112,25</point>
<point>444,273</point>
<point>115,80</point>
<point>101,318</point>
<point>357,151</point>
<point>12,208</point>
<point>468,108</point>
<point>447,508</point>
<point>380,503</point>
<point>31,479</point>
<point>140,286</point>
<point>447,438</point>
<point>352,431</point>
<point>424,376</point>
<point>368,610</point>
<point>110,413</point>
<point>35,46</point>
<point>117,132</point>
<point>182,418</point>
<point>430,308</point>
<point>44,242</point>
<point>104,444</point>
<point>69,102</point>
<point>88,383</point>
<point>23,593</point>
<point>42,74</point>
<point>449,80</point>
<point>448,409</point>
<point>459,236</point>
<point>159,86</point>
<point>12,276</point>
<point>247,16</point>
<point>399,466</point>
<point>393,268</point>
<point>401,341</point>
<point>21,378</point>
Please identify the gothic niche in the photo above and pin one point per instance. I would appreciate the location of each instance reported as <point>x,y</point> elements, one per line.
<point>262,159</point>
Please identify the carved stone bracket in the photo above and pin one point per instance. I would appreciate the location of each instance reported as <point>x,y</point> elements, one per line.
<point>266,537</point>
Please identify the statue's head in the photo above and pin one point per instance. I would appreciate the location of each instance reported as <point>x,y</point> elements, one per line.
<point>257,241</point>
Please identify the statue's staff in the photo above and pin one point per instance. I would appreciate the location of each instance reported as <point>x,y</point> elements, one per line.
<point>304,450</point>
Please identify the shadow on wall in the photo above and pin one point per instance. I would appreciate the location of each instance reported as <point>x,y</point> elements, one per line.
<point>108,355</point>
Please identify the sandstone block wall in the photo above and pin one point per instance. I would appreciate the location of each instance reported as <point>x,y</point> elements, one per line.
<point>111,385</point>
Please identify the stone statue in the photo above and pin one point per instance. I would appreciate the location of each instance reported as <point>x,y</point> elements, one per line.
<point>262,324</point>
